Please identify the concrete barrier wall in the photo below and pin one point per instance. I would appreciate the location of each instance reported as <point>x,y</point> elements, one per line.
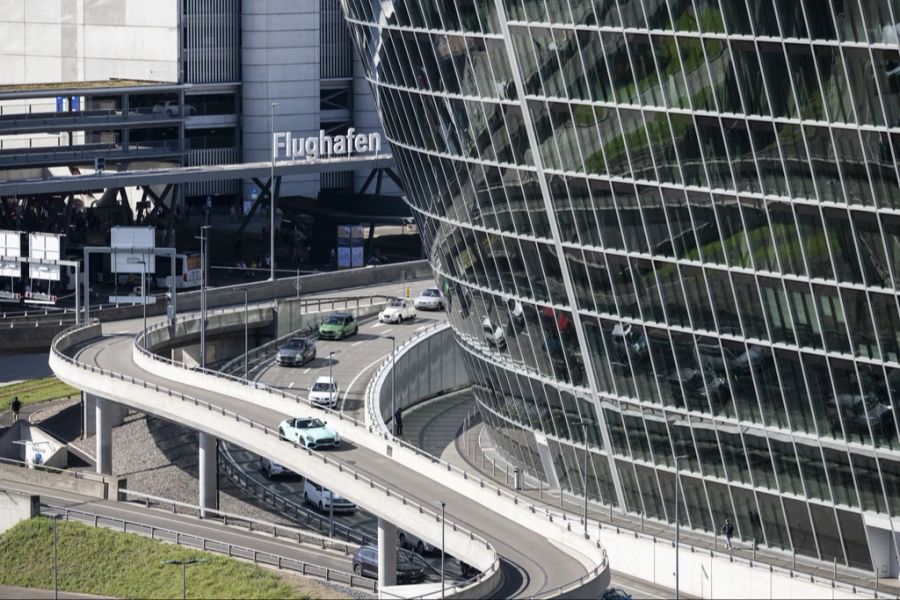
<point>65,482</point>
<point>16,507</point>
<point>432,365</point>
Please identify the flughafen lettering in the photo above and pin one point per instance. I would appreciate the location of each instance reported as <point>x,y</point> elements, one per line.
<point>287,146</point>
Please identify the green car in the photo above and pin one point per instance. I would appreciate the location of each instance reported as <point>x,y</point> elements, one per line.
<point>337,326</point>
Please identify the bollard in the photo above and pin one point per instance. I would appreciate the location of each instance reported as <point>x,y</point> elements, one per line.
<point>493,467</point>
<point>754,548</point>
<point>642,522</point>
<point>794,560</point>
<point>835,569</point>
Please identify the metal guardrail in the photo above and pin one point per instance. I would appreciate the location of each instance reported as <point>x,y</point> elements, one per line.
<point>140,344</point>
<point>254,525</point>
<point>289,508</point>
<point>375,486</point>
<point>204,544</point>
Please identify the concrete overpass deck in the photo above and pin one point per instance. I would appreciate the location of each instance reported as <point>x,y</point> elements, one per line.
<point>532,565</point>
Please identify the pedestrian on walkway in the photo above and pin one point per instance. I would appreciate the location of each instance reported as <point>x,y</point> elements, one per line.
<point>728,531</point>
<point>398,423</point>
<point>16,406</point>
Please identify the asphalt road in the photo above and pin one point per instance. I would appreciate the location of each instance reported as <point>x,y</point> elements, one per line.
<point>530,564</point>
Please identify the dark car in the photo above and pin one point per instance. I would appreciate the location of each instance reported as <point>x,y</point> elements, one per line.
<point>365,563</point>
<point>698,384</point>
<point>296,352</point>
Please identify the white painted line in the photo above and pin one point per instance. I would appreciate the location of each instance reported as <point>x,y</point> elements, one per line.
<point>386,331</point>
<point>290,385</point>
<point>377,325</point>
<point>308,369</point>
<point>358,375</point>
<point>356,343</point>
<point>421,327</point>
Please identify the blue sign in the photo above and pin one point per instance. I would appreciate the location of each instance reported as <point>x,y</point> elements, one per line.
<point>76,103</point>
<point>60,104</point>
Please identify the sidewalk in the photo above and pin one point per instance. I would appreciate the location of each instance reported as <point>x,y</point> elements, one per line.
<point>8,591</point>
<point>434,426</point>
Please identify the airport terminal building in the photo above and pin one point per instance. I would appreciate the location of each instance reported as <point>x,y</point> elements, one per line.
<point>670,231</point>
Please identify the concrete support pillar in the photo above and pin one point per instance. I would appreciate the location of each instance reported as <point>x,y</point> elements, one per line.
<point>116,413</point>
<point>103,410</point>
<point>387,554</point>
<point>208,469</point>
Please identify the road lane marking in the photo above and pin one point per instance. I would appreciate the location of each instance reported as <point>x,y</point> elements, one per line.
<point>387,331</point>
<point>420,328</point>
<point>308,369</point>
<point>290,385</point>
<point>358,375</point>
<point>377,325</point>
<point>356,343</point>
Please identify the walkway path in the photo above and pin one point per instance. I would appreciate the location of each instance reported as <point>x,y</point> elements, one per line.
<point>433,425</point>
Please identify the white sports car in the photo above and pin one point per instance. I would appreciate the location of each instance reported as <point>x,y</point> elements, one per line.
<point>309,432</point>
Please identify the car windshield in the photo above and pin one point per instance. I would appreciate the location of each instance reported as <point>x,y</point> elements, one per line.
<point>308,423</point>
<point>294,344</point>
<point>334,320</point>
<point>432,292</point>
<point>395,303</point>
<point>322,386</point>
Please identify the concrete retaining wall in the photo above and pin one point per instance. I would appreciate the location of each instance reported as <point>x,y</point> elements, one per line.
<point>431,365</point>
<point>67,482</point>
<point>16,507</point>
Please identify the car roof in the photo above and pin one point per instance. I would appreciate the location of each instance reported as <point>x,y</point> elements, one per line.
<point>341,314</point>
<point>324,379</point>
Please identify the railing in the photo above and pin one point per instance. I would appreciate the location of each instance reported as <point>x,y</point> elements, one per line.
<point>140,344</point>
<point>298,512</point>
<point>375,486</point>
<point>86,475</point>
<point>254,525</point>
<point>210,545</point>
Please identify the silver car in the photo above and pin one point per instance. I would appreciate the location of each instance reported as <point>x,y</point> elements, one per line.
<point>296,352</point>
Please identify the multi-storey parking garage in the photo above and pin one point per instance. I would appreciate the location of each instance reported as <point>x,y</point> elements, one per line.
<point>669,231</point>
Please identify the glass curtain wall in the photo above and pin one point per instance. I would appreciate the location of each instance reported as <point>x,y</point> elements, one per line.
<point>677,222</point>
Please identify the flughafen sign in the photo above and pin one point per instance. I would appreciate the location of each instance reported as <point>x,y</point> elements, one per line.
<point>285,145</point>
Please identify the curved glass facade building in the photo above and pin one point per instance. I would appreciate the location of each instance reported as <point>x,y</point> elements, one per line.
<point>671,227</point>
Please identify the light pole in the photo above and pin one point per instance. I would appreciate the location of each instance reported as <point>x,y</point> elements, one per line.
<point>55,561</point>
<point>677,522</point>
<point>331,377</point>
<point>184,563</point>
<point>272,203</point>
<point>393,383</point>
<point>143,264</point>
<point>204,273</point>
<point>246,334</point>
<point>443,506</point>
<point>584,476</point>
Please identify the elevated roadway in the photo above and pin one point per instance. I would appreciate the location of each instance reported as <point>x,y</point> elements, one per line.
<point>537,557</point>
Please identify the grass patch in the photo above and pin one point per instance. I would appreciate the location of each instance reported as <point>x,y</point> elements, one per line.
<point>34,391</point>
<point>109,563</point>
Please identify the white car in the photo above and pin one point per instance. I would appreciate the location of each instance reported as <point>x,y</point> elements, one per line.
<point>493,334</point>
<point>271,468</point>
<point>431,299</point>
<point>413,542</point>
<point>321,498</point>
<point>397,311</point>
<point>324,392</point>
<point>309,432</point>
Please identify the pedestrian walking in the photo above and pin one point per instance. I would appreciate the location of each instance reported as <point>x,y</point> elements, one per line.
<point>16,406</point>
<point>728,531</point>
<point>398,423</point>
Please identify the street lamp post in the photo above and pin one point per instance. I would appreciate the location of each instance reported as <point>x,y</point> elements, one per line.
<point>55,561</point>
<point>272,203</point>
<point>184,563</point>
<point>143,264</point>
<point>246,334</point>
<point>393,383</point>
<point>443,506</point>
<point>677,522</point>
<point>584,477</point>
<point>331,377</point>
<point>204,275</point>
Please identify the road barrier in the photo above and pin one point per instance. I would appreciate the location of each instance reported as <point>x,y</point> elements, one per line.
<point>205,544</point>
<point>265,441</point>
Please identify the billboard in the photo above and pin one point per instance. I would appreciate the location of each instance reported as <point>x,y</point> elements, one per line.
<point>123,240</point>
<point>10,248</point>
<point>43,247</point>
